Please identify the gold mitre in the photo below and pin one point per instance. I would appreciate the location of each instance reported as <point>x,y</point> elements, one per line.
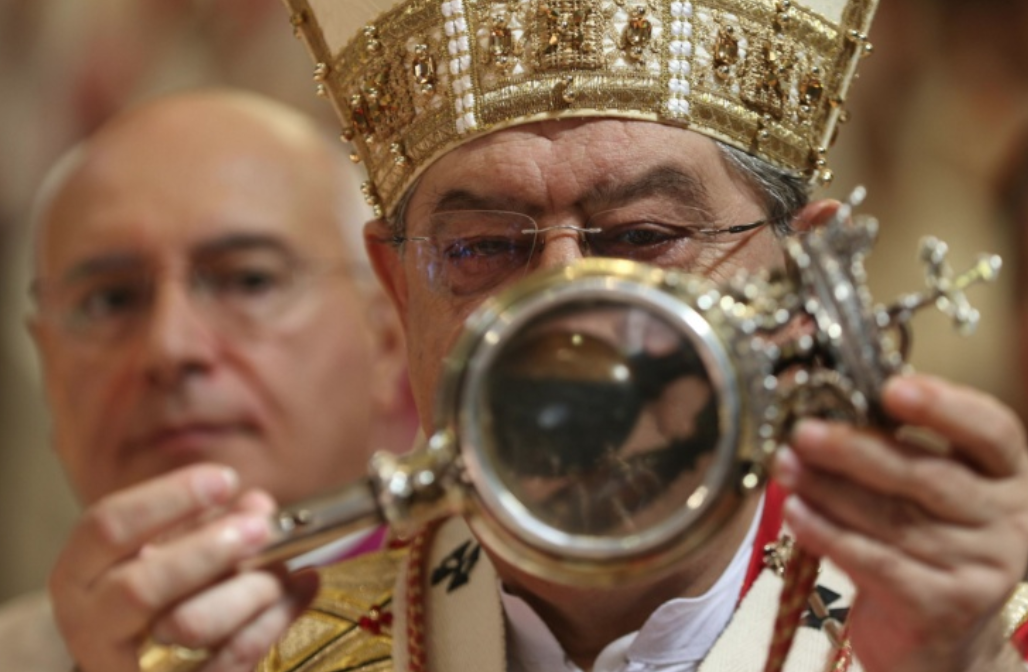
<point>412,79</point>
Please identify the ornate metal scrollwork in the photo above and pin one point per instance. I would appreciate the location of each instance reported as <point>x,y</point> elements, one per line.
<point>600,421</point>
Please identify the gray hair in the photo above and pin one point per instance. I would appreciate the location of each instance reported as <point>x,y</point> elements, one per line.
<point>783,193</point>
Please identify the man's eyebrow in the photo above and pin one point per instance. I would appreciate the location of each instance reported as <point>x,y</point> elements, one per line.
<point>113,262</point>
<point>461,199</point>
<point>120,262</point>
<point>671,181</point>
<point>241,242</point>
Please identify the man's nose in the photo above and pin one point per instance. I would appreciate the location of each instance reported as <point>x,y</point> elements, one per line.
<point>179,340</point>
<point>558,248</point>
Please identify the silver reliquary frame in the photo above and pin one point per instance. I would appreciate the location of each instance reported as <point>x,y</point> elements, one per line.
<point>600,421</point>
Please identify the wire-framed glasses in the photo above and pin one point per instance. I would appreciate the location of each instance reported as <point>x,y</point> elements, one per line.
<point>472,251</point>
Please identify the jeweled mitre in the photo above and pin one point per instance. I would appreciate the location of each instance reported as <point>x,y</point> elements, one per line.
<point>412,79</point>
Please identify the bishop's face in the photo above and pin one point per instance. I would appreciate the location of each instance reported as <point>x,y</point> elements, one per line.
<point>637,182</point>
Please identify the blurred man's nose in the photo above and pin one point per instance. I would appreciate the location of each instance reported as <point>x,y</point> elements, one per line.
<point>179,339</point>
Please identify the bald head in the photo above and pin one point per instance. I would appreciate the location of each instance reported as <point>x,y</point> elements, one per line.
<point>170,140</point>
<point>195,267</point>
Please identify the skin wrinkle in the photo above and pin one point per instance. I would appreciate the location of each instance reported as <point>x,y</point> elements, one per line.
<point>185,429</point>
<point>665,180</point>
<point>127,261</point>
<point>520,179</point>
<point>256,192</point>
<point>783,194</point>
<point>555,166</point>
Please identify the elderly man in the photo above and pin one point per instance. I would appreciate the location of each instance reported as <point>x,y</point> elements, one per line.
<point>512,137</point>
<point>506,138</point>
<point>212,341</point>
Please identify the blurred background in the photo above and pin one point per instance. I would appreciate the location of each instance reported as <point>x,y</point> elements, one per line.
<point>935,116</point>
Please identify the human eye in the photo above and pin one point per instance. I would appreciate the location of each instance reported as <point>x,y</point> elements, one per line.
<point>107,299</point>
<point>479,248</point>
<point>247,275</point>
<point>472,265</point>
<point>476,250</point>
<point>643,240</point>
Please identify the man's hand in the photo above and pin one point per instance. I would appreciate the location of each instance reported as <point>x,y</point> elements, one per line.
<point>159,560</point>
<point>935,543</point>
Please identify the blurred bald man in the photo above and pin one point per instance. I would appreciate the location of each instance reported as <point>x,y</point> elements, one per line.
<point>212,345</point>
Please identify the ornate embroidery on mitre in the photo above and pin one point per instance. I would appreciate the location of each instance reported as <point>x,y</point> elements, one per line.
<point>348,627</point>
<point>767,76</point>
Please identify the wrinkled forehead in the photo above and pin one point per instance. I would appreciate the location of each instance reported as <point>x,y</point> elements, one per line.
<point>551,164</point>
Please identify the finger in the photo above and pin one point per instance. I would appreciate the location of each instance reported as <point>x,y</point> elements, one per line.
<point>896,521</point>
<point>883,572</point>
<point>246,647</point>
<point>131,594</point>
<point>941,486</point>
<point>117,526</point>
<point>254,502</point>
<point>215,614</point>
<point>981,429</point>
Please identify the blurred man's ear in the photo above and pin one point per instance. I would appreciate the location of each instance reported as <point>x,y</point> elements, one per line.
<point>35,329</point>
<point>41,338</point>
<point>815,215</point>
<point>385,260</point>
<point>47,350</point>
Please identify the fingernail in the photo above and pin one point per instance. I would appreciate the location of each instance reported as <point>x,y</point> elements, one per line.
<point>253,530</point>
<point>905,391</point>
<point>245,532</point>
<point>794,509</point>
<point>810,430</point>
<point>215,486</point>
<point>787,468</point>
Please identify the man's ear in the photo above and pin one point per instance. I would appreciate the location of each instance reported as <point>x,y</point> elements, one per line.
<point>390,390</point>
<point>390,387</point>
<point>42,338</point>
<point>385,260</point>
<point>34,326</point>
<point>815,215</point>
<point>47,347</point>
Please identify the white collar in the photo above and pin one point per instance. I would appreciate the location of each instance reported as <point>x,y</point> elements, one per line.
<point>678,635</point>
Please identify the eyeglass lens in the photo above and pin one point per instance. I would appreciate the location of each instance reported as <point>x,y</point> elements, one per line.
<point>473,251</point>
